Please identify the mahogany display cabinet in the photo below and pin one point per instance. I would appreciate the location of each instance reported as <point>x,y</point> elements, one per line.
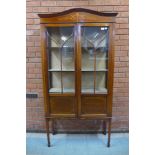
<point>77,66</point>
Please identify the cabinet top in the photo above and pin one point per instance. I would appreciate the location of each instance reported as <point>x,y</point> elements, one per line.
<point>77,15</point>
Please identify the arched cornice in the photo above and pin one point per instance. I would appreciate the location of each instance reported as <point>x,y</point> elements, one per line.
<point>75,10</point>
<point>77,15</point>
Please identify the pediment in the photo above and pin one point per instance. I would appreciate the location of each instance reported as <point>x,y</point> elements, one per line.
<point>77,15</point>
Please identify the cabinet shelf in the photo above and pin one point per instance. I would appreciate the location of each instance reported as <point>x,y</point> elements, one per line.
<point>58,90</point>
<point>103,90</point>
<point>59,70</point>
<point>70,90</point>
<point>57,48</point>
<point>72,70</point>
<point>91,70</point>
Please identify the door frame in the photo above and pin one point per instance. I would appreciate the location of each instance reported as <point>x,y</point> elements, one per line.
<point>108,95</point>
<point>78,74</point>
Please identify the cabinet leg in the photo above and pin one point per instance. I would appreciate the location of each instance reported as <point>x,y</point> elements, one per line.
<point>109,132</point>
<point>48,132</point>
<point>104,127</point>
<point>53,127</point>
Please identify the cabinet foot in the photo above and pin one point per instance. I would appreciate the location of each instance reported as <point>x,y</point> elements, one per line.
<point>48,132</point>
<point>109,132</point>
<point>53,133</point>
<point>108,145</point>
<point>104,132</point>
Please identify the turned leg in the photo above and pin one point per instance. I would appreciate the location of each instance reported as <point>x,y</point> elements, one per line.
<point>53,127</point>
<point>109,132</point>
<point>48,132</point>
<point>104,127</point>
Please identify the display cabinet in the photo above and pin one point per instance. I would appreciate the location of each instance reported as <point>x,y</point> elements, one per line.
<point>77,66</point>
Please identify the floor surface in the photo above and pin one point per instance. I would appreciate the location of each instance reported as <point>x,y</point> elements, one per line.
<point>77,144</point>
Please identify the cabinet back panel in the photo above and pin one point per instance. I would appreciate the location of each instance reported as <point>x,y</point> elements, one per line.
<point>93,105</point>
<point>62,105</point>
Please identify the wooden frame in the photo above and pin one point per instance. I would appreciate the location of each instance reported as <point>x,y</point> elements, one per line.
<point>77,105</point>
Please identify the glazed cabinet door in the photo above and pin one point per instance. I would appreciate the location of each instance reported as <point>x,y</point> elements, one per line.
<point>61,69</point>
<point>94,42</point>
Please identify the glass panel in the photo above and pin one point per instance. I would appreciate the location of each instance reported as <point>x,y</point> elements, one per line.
<point>87,61</point>
<point>87,82</point>
<point>87,55</point>
<point>94,58</point>
<point>100,86</point>
<point>101,49</point>
<point>68,51</point>
<point>68,82</point>
<point>61,58</point>
<point>55,82</point>
<point>101,60</point>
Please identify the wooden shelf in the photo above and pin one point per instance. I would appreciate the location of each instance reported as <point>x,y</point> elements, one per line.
<point>56,47</point>
<point>72,47</point>
<point>72,70</point>
<point>103,90</point>
<point>58,90</point>
<point>59,70</point>
<point>91,70</point>
<point>70,90</point>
